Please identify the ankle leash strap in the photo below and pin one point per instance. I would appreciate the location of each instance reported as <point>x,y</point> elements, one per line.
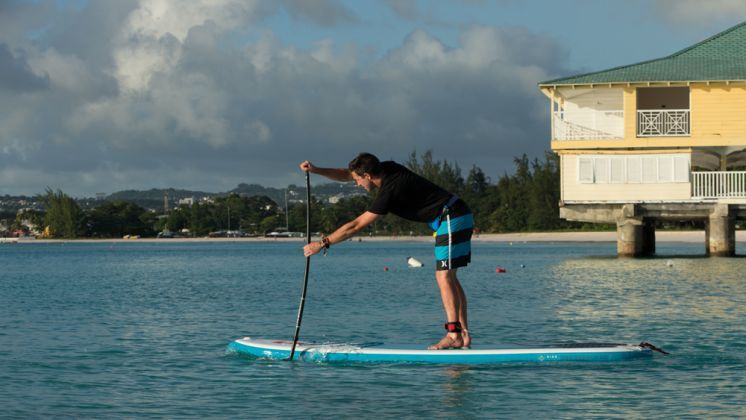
<point>453,327</point>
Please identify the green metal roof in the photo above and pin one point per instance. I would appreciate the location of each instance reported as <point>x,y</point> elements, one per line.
<point>720,57</point>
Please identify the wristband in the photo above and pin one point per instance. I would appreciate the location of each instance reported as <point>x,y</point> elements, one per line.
<point>325,242</point>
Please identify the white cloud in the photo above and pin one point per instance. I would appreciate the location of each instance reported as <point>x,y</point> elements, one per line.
<point>65,72</point>
<point>157,18</point>
<point>179,96</point>
<point>152,38</point>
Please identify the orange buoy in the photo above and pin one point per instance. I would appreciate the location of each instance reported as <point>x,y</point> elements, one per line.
<point>499,270</point>
<point>385,269</point>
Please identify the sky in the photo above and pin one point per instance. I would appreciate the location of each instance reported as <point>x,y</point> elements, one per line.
<point>109,95</point>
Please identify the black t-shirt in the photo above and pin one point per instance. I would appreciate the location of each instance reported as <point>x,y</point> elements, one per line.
<point>408,195</point>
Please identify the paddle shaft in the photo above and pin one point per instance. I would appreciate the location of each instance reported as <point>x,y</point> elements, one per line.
<point>308,266</point>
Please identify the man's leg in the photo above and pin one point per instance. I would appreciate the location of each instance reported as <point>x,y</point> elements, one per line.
<point>453,250</point>
<point>453,299</point>
<point>462,311</point>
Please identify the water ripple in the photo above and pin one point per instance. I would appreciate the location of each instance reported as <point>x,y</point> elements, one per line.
<point>138,329</point>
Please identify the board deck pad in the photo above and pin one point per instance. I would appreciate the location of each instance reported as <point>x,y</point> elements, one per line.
<point>379,352</point>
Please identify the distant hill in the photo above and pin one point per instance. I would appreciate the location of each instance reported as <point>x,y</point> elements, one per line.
<point>323,192</point>
<point>155,194</point>
<point>11,204</point>
<point>153,198</point>
<point>252,190</point>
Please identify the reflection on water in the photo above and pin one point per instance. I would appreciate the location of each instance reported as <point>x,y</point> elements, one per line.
<point>455,385</point>
<point>705,288</point>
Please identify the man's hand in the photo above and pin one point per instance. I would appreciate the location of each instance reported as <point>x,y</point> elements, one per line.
<point>312,248</point>
<point>342,234</point>
<point>335,174</point>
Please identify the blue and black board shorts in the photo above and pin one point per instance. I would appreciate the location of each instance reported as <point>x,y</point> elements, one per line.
<point>453,237</point>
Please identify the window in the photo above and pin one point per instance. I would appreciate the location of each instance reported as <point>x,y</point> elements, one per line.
<point>633,169</point>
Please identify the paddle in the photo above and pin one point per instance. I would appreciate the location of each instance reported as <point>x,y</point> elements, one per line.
<point>308,265</point>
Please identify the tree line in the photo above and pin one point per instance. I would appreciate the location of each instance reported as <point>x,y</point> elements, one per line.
<point>526,200</point>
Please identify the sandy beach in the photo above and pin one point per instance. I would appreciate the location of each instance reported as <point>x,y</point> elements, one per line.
<point>661,236</point>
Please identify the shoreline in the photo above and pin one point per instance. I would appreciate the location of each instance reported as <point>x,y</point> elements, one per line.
<point>532,237</point>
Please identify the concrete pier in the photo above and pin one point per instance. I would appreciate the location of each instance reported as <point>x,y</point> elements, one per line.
<point>635,235</point>
<point>629,238</point>
<point>648,238</point>
<point>720,232</point>
<point>635,223</point>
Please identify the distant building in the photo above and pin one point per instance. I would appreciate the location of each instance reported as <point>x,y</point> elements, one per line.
<point>26,222</point>
<point>189,201</point>
<point>335,198</point>
<point>663,139</point>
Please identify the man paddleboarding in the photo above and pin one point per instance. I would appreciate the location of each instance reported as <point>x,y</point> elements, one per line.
<point>408,195</point>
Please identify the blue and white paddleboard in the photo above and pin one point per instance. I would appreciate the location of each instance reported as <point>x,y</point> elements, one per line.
<point>378,352</point>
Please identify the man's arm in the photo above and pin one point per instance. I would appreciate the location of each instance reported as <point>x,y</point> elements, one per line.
<point>345,232</point>
<point>335,174</point>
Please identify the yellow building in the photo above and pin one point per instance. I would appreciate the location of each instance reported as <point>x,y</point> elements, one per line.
<point>664,139</point>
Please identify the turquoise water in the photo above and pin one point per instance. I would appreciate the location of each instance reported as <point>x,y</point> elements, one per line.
<point>140,329</point>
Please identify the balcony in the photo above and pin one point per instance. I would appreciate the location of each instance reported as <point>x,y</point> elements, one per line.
<point>663,123</point>
<point>719,184</point>
<point>588,125</point>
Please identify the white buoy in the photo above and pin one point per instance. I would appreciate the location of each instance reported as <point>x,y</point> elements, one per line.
<point>414,262</point>
<point>669,263</point>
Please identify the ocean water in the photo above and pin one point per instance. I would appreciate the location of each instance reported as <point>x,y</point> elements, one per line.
<point>140,330</point>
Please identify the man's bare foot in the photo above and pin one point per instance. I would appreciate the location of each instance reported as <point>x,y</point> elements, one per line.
<point>466,337</point>
<point>448,342</point>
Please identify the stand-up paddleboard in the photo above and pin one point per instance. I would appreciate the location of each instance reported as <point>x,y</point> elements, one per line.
<point>378,352</point>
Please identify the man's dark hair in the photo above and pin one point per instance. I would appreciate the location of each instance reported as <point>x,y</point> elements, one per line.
<point>365,163</point>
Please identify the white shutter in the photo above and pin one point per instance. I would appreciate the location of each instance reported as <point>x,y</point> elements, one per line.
<point>617,170</point>
<point>601,170</point>
<point>585,170</point>
<point>650,169</point>
<point>665,168</point>
<point>634,170</point>
<point>681,169</point>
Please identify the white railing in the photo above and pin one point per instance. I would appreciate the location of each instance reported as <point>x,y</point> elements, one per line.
<point>663,122</point>
<point>719,184</point>
<point>589,125</point>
